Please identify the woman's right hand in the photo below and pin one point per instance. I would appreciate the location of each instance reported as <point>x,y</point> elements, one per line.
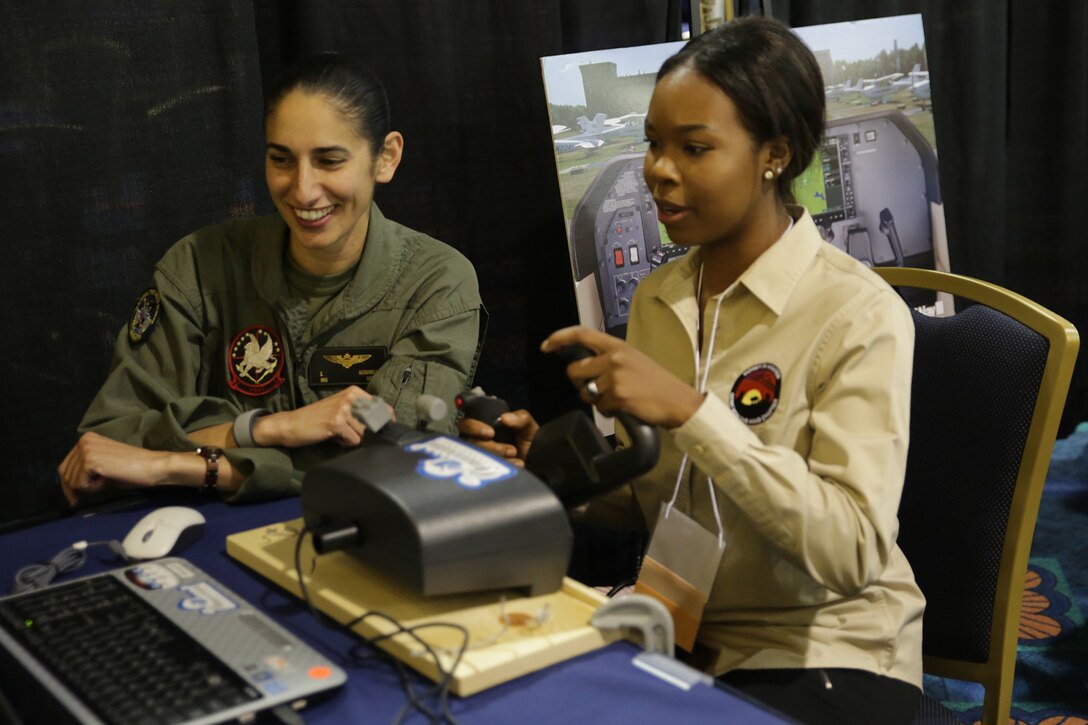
<point>97,463</point>
<point>330,418</point>
<point>521,422</point>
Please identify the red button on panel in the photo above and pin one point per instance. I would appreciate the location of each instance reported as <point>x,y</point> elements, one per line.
<point>617,254</point>
<point>320,672</point>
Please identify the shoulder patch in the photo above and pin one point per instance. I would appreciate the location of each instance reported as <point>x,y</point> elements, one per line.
<point>145,316</point>
<point>755,393</point>
<point>255,361</point>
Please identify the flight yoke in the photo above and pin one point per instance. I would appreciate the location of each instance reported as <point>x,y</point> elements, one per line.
<point>442,516</point>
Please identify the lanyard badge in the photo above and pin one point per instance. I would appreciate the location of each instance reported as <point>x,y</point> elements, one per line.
<point>679,570</point>
<point>682,560</point>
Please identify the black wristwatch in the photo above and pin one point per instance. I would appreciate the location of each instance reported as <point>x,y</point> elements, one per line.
<point>211,455</point>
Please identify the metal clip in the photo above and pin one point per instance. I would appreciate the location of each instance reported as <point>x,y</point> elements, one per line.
<point>640,613</point>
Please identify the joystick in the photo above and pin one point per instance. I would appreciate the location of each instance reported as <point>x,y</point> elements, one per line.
<point>486,408</point>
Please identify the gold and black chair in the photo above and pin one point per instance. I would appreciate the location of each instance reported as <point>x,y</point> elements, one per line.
<point>989,387</point>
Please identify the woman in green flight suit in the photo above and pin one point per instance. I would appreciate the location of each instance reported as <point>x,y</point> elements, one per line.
<point>241,363</point>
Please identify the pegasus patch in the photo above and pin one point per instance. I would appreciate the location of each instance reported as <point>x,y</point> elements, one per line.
<point>339,366</point>
<point>256,361</point>
<point>145,316</point>
<point>755,393</point>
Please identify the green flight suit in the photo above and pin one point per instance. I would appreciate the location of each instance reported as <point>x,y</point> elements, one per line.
<point>222,342</point>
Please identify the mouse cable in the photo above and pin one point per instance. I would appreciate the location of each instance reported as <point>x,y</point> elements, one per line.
<point>440,690</point>
<point>36,576</point>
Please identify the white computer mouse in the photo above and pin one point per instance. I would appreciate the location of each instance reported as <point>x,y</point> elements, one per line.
<point>163,532</point>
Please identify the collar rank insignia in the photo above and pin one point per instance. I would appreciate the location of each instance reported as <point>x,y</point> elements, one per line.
<point>255,361</point>
<point>145,316</point>
<point>755,393</point>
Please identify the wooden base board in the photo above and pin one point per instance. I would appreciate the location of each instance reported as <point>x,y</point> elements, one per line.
<point>509,635</point>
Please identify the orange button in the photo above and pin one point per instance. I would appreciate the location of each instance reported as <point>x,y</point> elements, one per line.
<point>320,672</point>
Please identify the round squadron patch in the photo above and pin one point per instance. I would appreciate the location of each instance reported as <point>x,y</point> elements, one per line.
<point>145,316</point>
<point>255,361</point>
<point>755,393</point>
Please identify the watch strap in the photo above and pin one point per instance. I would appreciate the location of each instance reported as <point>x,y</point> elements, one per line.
<point>211,456</point>
<point>243,427</point>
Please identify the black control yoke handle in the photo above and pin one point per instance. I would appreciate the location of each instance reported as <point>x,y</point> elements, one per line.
<point>615,467</point>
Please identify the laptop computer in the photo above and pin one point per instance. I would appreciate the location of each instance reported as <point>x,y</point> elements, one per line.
<point>155,642</point>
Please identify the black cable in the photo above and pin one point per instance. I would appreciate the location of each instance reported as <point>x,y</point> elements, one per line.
<point>621,586</point>
<point>381,654</point>
<point>441,688</point>
<point>285,715</point>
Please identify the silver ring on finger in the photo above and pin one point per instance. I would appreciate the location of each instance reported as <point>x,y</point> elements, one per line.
<point>591,390</point>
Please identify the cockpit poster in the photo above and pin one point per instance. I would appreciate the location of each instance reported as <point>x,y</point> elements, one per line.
<point>872,188</point>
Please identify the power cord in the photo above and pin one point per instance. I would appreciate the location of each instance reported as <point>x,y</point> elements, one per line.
<point>39,575</point>
<point>416,700</point>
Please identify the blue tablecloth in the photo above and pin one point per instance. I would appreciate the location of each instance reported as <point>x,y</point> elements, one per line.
<point>601,686</point>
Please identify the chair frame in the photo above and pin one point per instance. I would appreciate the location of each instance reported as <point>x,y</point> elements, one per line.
<point>997,672</point>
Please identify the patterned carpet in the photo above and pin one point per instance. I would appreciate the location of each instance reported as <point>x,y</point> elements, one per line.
<point>1051,685</point>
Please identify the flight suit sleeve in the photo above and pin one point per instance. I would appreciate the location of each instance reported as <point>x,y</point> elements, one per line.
<point>154,392</point>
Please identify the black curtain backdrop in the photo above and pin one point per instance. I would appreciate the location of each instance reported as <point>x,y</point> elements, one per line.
<point>124,125</point>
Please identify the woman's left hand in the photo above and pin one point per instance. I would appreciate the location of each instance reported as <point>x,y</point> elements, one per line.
<point>627,380</point>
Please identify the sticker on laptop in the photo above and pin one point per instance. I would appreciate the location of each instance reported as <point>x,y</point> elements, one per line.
<point>180,569</point>
<point>205,599</point>
<point>468,466</point>
<point>151,576</point>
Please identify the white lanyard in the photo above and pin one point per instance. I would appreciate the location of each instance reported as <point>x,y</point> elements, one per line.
<point>699,359</point>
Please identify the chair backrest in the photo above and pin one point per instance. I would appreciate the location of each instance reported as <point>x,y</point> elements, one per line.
<point>989,386</point>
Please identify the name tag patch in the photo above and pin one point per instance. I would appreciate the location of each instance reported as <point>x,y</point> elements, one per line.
<point>342,366</point>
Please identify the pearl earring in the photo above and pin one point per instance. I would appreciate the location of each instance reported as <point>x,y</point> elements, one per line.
<point>768,175</point>
<point>778,171</point>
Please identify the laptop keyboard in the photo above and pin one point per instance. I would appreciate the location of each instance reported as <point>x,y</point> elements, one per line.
<point>124,659</point>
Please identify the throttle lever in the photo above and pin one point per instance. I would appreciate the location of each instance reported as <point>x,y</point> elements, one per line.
<point>478,405</point>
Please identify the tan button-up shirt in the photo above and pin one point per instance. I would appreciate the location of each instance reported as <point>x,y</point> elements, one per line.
<point>804,433</point>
